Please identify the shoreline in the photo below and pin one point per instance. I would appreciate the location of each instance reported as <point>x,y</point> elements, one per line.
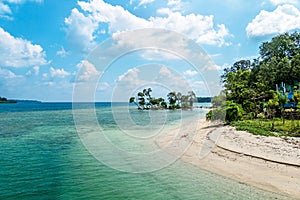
<point>269,163</point>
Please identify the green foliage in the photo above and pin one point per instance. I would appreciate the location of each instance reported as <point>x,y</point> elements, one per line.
<point>234,111</point>
<point>176,100</point>
<point>217,101</point>
<point>263,127</point>
<point>216,114</point>
<point>172,100</point>
<point>252,84</point>
<point>228,111</point>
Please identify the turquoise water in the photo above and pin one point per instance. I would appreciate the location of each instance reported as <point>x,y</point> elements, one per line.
<point>42,157</point>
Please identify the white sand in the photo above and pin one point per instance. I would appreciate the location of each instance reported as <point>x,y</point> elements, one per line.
<point>270,163</point>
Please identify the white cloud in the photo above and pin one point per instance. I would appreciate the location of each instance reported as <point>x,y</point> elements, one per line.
<point>4,9</point>
<point>172,80</point>
<point>158,55</point>
<point>143,2</point>
<point>190,73</point>
<point>23,1</point>
<point>131,77</point>
<point>61,73</point>
<point>82,26</point>
<point>80,30</point>
<point>284,18</point>
<point>87,72</point>
<point>277,2</point>
<point>62,52</point>
<point>9,81</point>
<point>7,74</point>
<point>158,76</point>
<point>103,86</point>
<point>175,5</point>
<point>17,52</point>
<point>35,71</point>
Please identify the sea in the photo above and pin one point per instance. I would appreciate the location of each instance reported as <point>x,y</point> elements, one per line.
<point>44,157</point>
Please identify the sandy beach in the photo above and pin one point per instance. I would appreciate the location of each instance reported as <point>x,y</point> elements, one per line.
<point>269,163</point>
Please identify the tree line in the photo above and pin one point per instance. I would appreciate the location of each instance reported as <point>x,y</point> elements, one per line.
<point>5,100</point>
<point>176,100</point>
<point>252,88</point>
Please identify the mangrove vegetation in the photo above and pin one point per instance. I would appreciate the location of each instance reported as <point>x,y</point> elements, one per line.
<point>175,100</point>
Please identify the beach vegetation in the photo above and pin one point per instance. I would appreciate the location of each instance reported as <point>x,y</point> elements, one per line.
<point>176,100</point>
<point>265,90</point>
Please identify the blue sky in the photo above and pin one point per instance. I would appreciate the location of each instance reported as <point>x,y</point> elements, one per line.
<point>45,44</point>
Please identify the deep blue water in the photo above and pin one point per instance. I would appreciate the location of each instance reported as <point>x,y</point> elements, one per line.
<point>42,157</point>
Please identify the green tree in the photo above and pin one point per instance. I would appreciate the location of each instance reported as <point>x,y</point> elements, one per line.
<point>141,98</point>
<point>191,98</point>
<point>172,100</point>
<point>282,98</point>
<point>132,100</point>
<point>271,106</point>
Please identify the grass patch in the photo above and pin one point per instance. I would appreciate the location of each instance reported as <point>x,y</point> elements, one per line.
<point>264,127</point>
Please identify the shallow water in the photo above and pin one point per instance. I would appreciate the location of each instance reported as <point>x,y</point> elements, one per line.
<point>42,157</point>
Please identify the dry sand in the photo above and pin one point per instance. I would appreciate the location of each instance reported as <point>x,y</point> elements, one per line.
<point>269,163</point>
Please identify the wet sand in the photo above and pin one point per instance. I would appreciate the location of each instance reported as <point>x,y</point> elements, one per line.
<point>270,163</point>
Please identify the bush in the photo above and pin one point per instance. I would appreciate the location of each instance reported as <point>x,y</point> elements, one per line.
<point>234,111</point>
<point>229,112</point>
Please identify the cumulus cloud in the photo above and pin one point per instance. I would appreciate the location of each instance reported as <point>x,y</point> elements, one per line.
<point>18,52</point>
<point>5,9</point>
<point>143,2</point>
<point>34,71</point>
<point>80,30</point>
<point>284,18</point>
<point>62,52</point>
<point>82,25</point>
<point>277,2</point>
<point>7,74</point>
<point>130,79</point>
<point>61,73</point>
<point>102,86</point>
<point>87,72</point>
<point>9,81</point>
<point>190,73</point>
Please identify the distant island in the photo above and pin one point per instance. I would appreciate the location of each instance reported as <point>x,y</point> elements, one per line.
<point>5,100</point>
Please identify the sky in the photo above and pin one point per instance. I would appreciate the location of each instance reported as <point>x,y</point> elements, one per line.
<point>108,50</point>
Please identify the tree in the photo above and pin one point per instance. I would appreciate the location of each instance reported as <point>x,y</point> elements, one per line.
<point>217,101</point>
<point>141,98</point>
<point>242,65</point>
<point>271,106</point>
<point>282,98</point>
<point>191,98</point>
<point>132,100</point>
<point>179,98</point>
<point>147,93</point>
<point>172,100</point>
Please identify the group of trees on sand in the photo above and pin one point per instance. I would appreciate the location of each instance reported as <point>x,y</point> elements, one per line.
<point>176,100</point>
<point>266,87</point>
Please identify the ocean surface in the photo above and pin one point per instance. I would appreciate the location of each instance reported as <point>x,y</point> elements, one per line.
<point>43,157</point>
